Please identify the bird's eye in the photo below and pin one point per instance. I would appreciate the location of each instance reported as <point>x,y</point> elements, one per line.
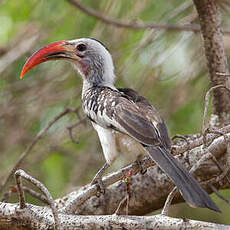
<point>81,47</point>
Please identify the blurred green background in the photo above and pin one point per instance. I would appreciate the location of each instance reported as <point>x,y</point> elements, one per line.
<point>167,67</point>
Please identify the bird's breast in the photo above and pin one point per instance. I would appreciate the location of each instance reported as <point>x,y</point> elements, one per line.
<point>98,105</point>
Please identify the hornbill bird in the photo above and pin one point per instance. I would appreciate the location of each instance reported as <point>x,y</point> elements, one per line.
<point>120,110</point>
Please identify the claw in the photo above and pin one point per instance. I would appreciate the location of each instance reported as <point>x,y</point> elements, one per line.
<point>138,161</point>
<point>100,188</point>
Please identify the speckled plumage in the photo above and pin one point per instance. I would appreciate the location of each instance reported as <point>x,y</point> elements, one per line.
<point>120,110</point>
<point>110,108</point>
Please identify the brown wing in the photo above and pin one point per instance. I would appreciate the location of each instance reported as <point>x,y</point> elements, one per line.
<point>140,119</point>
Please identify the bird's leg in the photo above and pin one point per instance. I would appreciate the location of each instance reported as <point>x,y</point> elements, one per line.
<point>97,178</point>
<point>138,162</point>
<point>99,173</point>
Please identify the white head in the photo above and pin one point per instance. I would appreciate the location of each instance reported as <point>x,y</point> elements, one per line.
<point>89,56</point>
<point>96,65</point>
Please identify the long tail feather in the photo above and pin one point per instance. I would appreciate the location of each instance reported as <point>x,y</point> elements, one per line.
<point>191,190</point>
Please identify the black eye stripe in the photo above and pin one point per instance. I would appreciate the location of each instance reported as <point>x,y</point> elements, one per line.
<point>81,47</point>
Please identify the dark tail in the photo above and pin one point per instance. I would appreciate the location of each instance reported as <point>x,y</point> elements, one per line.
<point>191,190</point>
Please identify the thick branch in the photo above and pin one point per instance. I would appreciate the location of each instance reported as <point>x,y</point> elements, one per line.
<point>214,50</point>
<point>149,191</point>
<point>39,218</point>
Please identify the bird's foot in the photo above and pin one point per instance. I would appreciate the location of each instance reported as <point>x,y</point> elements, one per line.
<point>98,181</point>
<point>100,186</point>
<point>138,162</point>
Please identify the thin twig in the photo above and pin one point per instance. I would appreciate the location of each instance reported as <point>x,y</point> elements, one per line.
<point>218,194</point>
<point>35,140</point>
<point>36,194</point>
<point>71,127</point>
<point>13,189</point>
<point>199,141</point>
<point>20,173</point>
<point>149,38</point>
<point>216,179</point>
<point>207,97</point>
<point>9,193</point>
<point>120,205</point>
<point>168,201</point>
<point>216,162</point>
<point>128,181</point>
<point>213,131</point>
<point>21,194</point>
<point>134,24</point>
<point>218,132</point>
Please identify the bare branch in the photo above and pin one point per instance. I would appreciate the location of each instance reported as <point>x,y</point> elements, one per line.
<point>35,194</point>
<point>125,200</point>
<point>22,203</point>
<point>198,141</point>
<point>168,202</point>
<point>13,189</point>
<point>71,127</point>
<point>39,218</point>
<point>138,195</point>
<point>83,201</point>
<point>20,173</point>
<point>33,143</point>
<point>90,191</point>
<point>219,195</point>
<point>133,24</point>
<point>207,97</point>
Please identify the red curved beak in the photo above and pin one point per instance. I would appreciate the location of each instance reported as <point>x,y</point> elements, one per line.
<point>55,51</point>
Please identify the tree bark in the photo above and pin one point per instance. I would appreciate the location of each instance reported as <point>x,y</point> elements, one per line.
<point>148,192</point>
<point>210,21</point>
<point>34,217</point>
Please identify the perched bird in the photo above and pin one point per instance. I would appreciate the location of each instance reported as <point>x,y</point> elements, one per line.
<point>120,110</point>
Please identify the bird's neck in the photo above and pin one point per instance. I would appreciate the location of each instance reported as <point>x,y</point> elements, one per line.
<point>89,84</point>
<point>99,75</point>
